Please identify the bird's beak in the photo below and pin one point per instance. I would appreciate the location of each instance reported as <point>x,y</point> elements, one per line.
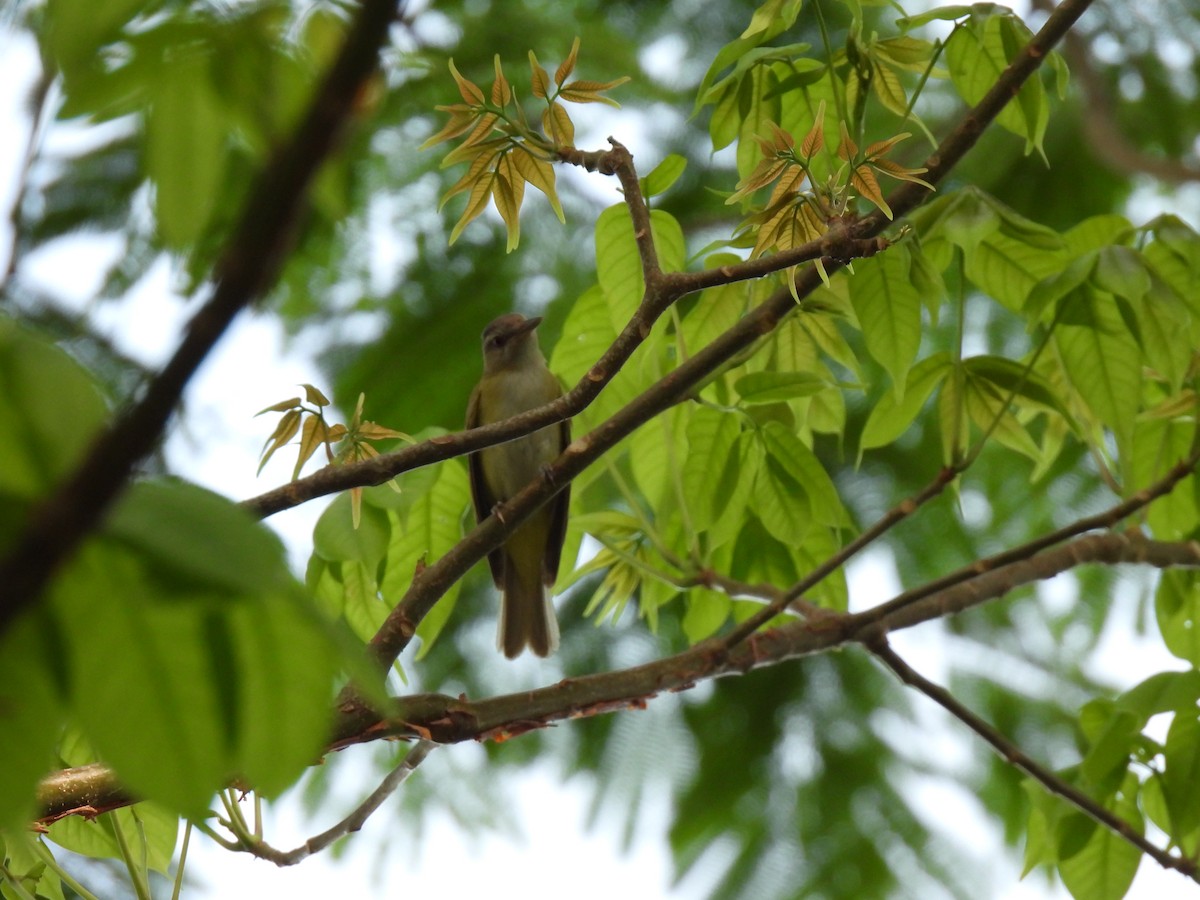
<point>528,325</point>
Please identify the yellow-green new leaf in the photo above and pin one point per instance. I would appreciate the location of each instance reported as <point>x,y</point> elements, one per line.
<point>865,183</point>
<point>507,193</point>
<point>540,80</point>
<point>591,91</point>
<point>567,66</point>
<point>557,125</point>
<point>480,168</point>
<point>501,92</point>
<point>311,437</point>
<point>462,119</point>
<point>288,425</point>
<point>540,174</point>
<point>475,205</point>
<point>281,406</point>
<point>815,139</point>
<point>314,395</point>
<point>469,90</point>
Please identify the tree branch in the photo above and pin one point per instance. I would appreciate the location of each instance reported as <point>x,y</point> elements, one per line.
<point>1015,756</point>
<point>1109,518</point>
<point>247,267</point>
<point>89,790</point>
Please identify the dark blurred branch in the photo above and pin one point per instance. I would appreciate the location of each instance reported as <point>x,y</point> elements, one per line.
<point>246,268</point>
<point>1104,136</point>
<point>39,93</point>
<point>1015,756</point>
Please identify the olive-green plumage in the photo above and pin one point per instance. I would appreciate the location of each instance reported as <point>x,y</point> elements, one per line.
<point>516,379</point>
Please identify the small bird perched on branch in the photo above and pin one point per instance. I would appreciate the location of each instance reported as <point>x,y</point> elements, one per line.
<point>516,379</point>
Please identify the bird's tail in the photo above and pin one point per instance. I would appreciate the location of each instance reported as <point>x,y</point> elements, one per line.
<point>526,615</point>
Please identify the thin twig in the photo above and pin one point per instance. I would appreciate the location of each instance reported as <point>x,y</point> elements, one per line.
<point>1015,756</point>
<point>352,822</point>
<point>885,523</point>
<point>1108,518</point>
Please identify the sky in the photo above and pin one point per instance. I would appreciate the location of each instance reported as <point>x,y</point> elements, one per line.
<point>546,847</point>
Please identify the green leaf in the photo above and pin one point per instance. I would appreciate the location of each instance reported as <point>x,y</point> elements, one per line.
<point>1164,692</point>
<point>1027,387</point>
<point>1164,331</point>
<point>1102,362</point>
<point>1110,750</point>
<point>780,496</point>
<point>1181,773</point>
<point>1103,869</point>
<point>952,417</point>
<point>707,611</point>
<point>31,712</point>
<point>657,450</point>
<point>714,312</point>
<point>891,417</point>
<point>193,537</point>
<point>431,528</point>
<point>711,473</point>
<point>619,265</point>
<point>737,482</point>
<point>802,465</point>
<point>353,585</point>
<point>50,410</point>
<point>1177,608</point>
<point>95,838</point>
<point>889,311</point>
<point>78,29</point>
<point>977,54</point>
<point>771,387</point>
<point>337,540</point>
<point>1051,289</point>
<point>145,688</point>
<point>587,333</point>
<point>185,149</point>
<point>664,175</point>
<point>942,13</point>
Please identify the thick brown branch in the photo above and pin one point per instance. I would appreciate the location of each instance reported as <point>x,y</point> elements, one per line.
<point>247,267</point>
<point>451,720</point>
<point>1017,757</point>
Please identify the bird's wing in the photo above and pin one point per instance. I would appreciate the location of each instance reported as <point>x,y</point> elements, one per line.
<point>484,501</point>
<point>558,515</point>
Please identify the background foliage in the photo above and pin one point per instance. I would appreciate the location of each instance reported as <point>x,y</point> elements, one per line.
<point>1040,310</point>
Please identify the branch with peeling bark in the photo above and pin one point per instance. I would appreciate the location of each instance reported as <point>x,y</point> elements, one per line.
<point>443,719</point>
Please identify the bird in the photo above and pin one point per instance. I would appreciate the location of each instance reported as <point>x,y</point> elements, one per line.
<point>515,379</point>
